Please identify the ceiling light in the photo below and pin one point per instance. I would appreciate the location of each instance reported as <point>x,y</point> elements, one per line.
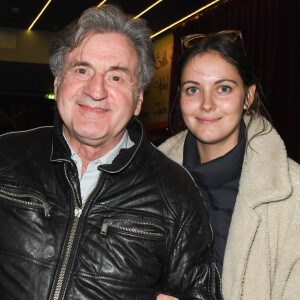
<point>101,3</point>
<point>29,28</point>
<point>183,19</point>
<point>147,9</point>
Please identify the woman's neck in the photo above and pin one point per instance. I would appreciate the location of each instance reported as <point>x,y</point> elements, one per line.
<point>208,152</point>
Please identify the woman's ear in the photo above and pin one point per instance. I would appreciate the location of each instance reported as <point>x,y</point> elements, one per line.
<point>250,96</point>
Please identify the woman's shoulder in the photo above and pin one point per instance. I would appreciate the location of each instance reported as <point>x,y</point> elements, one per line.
<point>177,139</point>
<point>173,147</point>
<point>294,170</point>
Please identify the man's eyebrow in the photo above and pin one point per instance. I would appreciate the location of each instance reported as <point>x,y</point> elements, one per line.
<point>120,68</point>
<point>88,65</point>
<point>80,64</point>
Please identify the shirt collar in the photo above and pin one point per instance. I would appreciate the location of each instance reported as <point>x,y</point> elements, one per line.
<point>108,158</point>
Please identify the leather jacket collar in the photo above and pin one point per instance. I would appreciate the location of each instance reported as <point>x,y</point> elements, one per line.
<point>61,152</point>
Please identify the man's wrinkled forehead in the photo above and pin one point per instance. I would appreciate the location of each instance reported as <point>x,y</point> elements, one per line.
<point>106,48</point>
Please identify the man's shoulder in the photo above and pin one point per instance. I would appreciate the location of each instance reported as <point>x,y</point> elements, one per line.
<point>17,144</point>
<point>178,189</point>
<point>26,136</point>
<point>174,175</point>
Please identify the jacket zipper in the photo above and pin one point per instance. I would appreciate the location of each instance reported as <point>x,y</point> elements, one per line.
<point>110,222</point>
<point>77,214</point>
<point>45,205</point>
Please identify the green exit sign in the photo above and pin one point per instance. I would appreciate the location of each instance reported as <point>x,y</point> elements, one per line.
<point>49,96</point>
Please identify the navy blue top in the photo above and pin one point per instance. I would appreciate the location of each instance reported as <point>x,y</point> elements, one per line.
<point>218,181</point>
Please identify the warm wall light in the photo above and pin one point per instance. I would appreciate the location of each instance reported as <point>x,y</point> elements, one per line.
<point>101,3</point>
<point>147,9</point>
<point>29,28</point>
<point>183,19</point>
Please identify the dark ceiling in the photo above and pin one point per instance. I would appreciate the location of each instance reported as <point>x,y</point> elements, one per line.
<point>21,13</point>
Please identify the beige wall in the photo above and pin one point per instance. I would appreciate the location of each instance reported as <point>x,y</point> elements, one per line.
<point>155,108</point>
<point>24,46</point>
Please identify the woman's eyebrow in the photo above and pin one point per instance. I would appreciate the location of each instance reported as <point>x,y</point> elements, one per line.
<point>225,80</point>
<point>190,82</point>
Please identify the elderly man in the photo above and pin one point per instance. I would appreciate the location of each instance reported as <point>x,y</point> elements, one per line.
<point>89,209</point>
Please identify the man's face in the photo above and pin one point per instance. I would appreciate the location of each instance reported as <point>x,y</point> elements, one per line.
<point>97,94</point>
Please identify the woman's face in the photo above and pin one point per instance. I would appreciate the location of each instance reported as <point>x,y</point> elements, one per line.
<point>212,100</point>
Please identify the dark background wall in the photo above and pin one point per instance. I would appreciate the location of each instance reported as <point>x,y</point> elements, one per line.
<point>271,36</point>
<point>23,87</point>
<point>25,78</point>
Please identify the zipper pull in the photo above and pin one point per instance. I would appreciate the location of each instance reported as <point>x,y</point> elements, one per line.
<point>77,212</point>
<point>105,224</point>
<point>47,208</point>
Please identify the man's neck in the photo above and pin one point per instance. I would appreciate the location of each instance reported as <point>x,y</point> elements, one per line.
<point>89,153</point>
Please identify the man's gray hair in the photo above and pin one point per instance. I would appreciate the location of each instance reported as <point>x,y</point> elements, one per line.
<point>107,18</point>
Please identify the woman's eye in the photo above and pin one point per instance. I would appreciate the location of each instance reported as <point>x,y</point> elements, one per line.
<point>224,89</point>
<point>192,90</point>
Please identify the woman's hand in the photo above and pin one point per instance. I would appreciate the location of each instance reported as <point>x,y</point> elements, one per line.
<point>165,297</point>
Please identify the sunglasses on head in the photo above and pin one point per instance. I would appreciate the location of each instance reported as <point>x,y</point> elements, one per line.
<point>191,40</point>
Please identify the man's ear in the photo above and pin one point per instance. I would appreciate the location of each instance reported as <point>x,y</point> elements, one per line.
<point>55,87</point>
<point>250,96</point>
<point>139,100</point>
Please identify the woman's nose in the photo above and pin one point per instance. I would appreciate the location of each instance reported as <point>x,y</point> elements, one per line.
<point>207,102</point>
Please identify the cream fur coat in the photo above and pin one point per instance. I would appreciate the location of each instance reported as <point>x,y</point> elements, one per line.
<point>262,256</point>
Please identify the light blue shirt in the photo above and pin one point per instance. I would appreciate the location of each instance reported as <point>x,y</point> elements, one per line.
<point>89,179</point>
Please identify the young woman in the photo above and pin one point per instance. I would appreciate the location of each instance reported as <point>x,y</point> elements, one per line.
<point>239,162</point>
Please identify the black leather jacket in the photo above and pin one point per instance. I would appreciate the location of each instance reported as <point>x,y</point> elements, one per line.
<point>143,229</point>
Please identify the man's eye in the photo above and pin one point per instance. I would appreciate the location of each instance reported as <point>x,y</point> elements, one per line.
<point>81,71</point>
<point>192,90</point>
<point>116,78</point>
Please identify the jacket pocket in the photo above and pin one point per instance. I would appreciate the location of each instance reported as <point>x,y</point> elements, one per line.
<point>26,230</point>
<point>125,250</point>
<point>131,226</point>
<point>27,200</point>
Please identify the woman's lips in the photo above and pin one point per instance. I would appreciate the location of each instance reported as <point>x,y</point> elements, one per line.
<point>206,121</point>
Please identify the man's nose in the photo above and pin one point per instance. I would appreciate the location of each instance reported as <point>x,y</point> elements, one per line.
<point>95,87</point>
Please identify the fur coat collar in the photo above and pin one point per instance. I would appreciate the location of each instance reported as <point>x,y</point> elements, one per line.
<point>262,256</point>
